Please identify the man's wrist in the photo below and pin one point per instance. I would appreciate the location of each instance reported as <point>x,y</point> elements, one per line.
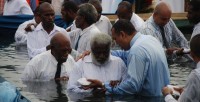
<point>103,85</point>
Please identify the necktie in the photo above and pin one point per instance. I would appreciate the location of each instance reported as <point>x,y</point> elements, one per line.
<point>57,75</point>
<point>76,46</point>
<point>163,37</point>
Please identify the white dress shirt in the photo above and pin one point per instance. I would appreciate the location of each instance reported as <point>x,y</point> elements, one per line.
<point>104,25</point>
<point>39,39</point>
<point>136,21</point>
<point>114,69</point>
<point>72,26</point>
<point>17,7</point>
<point>196,30</point>
<point>191,91</point>
<point>21,34</point>
<point>44,66</point>
<point>84,41</point>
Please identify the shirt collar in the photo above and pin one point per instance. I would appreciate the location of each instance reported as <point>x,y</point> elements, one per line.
<point>53,59</point>
<point>88,59</point>
<point>100,19</point>
<point>87,29</point>
<point>198,24</point>
<point>151,20</point>
<point>40,27</point>
<point>198,65</point>
<point>137,35</point>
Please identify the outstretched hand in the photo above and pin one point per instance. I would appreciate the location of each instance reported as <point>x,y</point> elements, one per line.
<point>83,55</point>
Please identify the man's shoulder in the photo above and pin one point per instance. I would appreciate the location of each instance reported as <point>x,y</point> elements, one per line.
<point>104,18</point>
<point>115,59</point>
<point>40,57</point>
<point>60,29</point>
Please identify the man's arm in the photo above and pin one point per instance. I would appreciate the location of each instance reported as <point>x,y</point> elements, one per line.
<point>121,54</point>
<point>191,91</point>
<point>178,36</point>
<point>133,82</point>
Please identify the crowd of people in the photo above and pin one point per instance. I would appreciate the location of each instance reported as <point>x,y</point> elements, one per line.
<point>84,49</point>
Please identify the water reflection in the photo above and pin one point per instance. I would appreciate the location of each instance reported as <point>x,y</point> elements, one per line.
<point>47,91</point>
<point>13,59</point>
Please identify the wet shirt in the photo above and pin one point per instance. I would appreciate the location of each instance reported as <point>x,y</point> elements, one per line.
<point>196,30</point>
<point>114,69</point>
<point>80,39</point>
<point>43,67</point>
<point>38,39</point>
<point>172,34</point>
<point>191,91</point>
<point>147,66</point>
<point>104,25</point>
<point>21,34</point>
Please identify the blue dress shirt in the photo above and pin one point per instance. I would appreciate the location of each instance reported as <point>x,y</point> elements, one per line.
<point>147,66</point>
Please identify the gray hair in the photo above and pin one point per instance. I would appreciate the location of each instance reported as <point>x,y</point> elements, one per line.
<point>101,38</point>
<point>89,12</point>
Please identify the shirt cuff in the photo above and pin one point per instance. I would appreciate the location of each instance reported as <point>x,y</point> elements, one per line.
<point>108,88</point>
<point>168,98</point>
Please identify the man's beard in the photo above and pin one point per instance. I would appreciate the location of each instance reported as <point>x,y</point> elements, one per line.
<point>98,63</point>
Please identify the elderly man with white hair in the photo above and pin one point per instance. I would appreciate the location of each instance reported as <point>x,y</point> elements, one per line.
<point>100,65</point>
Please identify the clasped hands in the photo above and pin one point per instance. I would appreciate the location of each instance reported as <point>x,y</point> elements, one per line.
<point>99,87</point>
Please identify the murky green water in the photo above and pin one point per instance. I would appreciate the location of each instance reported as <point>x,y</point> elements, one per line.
<point>14,58</point>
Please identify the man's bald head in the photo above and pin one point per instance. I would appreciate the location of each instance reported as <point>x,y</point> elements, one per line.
<point>59,39</point>
<point>44,6</point>
<point>60,47</point>
<point>162,14</point>
<point>162,7</point>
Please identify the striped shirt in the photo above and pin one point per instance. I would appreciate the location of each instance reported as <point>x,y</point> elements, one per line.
<point>196,30</point>
<point>172,33</point>
<point>39,39</point>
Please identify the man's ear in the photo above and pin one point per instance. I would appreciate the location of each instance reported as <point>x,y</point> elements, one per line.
<point>123,34</point>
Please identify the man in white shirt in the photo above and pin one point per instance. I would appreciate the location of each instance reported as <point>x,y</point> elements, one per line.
<point>68,11</point>
<point>194,16</point>
<point>100,65</point>
<point>191,91</point>
<point>103,23</point>
<point>38,41</point>
<point>24,28</point>
<point>17,7</point>
<point>124,11</point>
<point>52,64</point>
<point>85,20</point>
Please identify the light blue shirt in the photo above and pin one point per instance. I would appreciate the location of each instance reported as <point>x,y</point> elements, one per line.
<point>147,66</point>
<point>172,34</point>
